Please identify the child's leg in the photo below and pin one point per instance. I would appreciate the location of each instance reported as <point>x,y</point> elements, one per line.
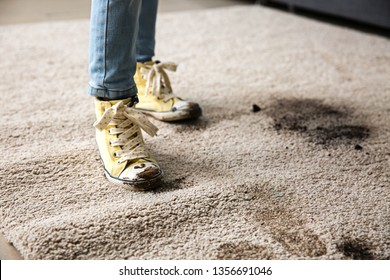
<point>147,30</point>
<point>113,35</point>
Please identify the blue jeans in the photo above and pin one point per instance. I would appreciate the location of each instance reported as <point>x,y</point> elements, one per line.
<point>122,32</point>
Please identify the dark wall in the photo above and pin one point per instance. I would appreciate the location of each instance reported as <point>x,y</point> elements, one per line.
<point>375,12</point>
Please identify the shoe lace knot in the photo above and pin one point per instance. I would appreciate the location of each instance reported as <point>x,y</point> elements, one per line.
<point>157,80</point>
<point>127,124</point>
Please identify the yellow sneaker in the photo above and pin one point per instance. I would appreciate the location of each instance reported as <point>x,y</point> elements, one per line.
<point>119,138</point>
<point>155,94</point>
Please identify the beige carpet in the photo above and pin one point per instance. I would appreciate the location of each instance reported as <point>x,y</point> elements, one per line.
<point>307,176</point>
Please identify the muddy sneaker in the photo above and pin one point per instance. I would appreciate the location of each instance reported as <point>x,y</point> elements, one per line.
<point>119,138</point>
<point>155,94</point>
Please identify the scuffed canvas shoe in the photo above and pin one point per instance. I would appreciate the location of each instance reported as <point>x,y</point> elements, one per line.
<point>155,94</point>
<point>119,138</point>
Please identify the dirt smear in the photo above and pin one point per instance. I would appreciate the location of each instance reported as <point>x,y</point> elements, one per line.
<point>355,249</point>
<point>243,250</point>
<point>287,229</point>
<point>318,122</point>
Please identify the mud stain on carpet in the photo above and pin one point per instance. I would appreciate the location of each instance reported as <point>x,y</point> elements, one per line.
<point>318,122</point>
<point>290,231</point>
<point>356,249</point>
<point>243,250</point>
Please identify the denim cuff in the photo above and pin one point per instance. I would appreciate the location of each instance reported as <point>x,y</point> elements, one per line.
<point>144,58</point>
<point>112,94</point>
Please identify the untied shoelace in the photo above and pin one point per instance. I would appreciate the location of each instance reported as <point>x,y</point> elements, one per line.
<point>127,122</point>
<point>157,80</point>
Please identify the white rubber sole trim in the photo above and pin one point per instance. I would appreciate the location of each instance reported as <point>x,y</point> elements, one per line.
<point>177,115</point>
<point>143,185</point>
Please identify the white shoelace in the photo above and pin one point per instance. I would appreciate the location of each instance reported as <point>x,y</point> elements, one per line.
<point>129,137</point>
<point>157,80</point>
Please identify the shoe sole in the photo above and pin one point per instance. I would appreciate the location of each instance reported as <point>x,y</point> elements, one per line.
<point>144,185</point>
<point>191,113</point>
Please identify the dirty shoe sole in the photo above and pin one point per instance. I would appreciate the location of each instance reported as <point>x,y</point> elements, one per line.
<point>141,185</point>
<point>189,113</point>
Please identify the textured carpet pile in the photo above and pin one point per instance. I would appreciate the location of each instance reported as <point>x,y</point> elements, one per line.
<point>306,176</point>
